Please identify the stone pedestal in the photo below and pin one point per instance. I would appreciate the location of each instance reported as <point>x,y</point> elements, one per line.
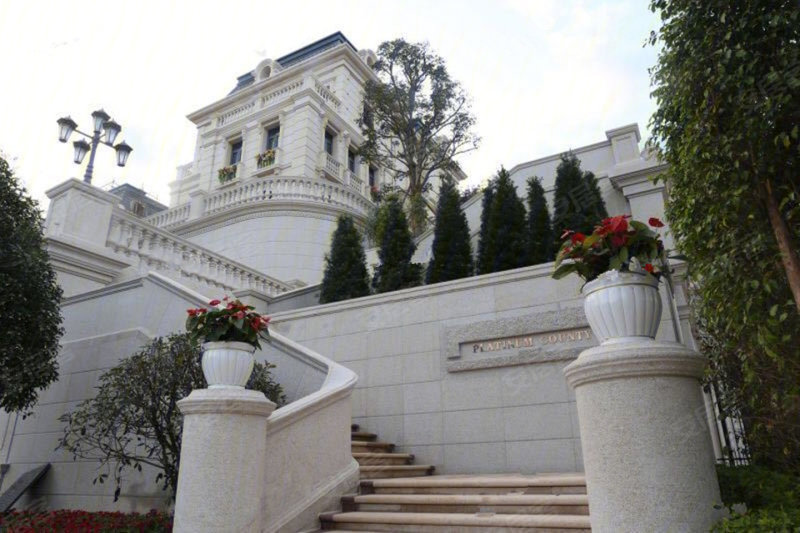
<point>646,443</point>
<point>223,456</point>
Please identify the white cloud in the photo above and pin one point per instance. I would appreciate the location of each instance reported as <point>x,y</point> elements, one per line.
<point>543,75</point>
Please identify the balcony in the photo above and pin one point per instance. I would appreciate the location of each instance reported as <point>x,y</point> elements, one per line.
<point>355,182</point>
<point>331,167</point>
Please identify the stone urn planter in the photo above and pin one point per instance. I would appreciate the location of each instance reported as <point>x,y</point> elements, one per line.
<point>622,306</point>
<point>227,365</point>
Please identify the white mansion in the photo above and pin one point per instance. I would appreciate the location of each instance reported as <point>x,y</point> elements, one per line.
<point>465,376</point>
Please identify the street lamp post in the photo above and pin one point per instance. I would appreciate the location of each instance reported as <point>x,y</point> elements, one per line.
<point>101,122</point>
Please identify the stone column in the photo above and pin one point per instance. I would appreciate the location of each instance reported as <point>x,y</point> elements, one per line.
<point>646,446</point>
<point>223,456</point>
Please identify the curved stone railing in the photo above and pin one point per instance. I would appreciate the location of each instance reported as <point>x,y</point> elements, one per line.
<point>182,260</point>
<point>287,188</point>
<point>170,217</point>
<point>308,442</point>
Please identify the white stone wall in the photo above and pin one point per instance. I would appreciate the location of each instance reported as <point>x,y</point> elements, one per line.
<point>292,100</point>
<point>291,245</point>
<point>507,419</point>
<point>102,327</point>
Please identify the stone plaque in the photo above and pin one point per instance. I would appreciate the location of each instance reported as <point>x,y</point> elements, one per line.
<point>535,338</point>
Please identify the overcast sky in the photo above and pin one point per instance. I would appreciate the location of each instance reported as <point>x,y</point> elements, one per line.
<point>544,76</point>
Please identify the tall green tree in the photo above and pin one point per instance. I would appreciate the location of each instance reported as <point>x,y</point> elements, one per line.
<point>452,250</point>
<point>395,270</point>
<point>540,230</point>
<point>29,299</point>
<point>727,85</point>
<point>578,204</point>
<point>506,245</point>
<point>134,419</point>
<point>483,263</point>
<point>416,121</point>
<point>346,273</point>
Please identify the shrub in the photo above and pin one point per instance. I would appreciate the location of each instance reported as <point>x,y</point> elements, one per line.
<point>29,299</point>
<point>504,243</point>
<point>758,487</point>
<point>577,202</point>
<point>765,520</point>
<point>395,271</point>
<point>346,273</point>
<point>71,520</point>
<point>134,419</point>
<point>452,251</point>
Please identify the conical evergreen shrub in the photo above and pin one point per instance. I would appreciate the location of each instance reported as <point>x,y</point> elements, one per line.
<point>578,204</point>
<point>396,271</point>
<point>483,263</point>
<point>345,265</point>
<point>540,231</point>
<point>452,252</point>
<point>506,245</point>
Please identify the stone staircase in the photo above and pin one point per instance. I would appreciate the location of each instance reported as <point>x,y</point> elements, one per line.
<point>376,459</point>
<point>396,495</point>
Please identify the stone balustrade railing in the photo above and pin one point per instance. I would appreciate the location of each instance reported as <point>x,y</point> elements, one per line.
<point>354,181</point>
<point>266,190</point>
<point>170,217</point>
<point>236,112</point>
<point>287,188</point>
<point>327,95</point>
<point>184,261</point>
<point>332,166</point>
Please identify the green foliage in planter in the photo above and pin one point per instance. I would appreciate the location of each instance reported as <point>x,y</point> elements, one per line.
<point>763,520</point>
<point>540,230</point>
<point>346,273</point>
<point>577,202</point>
<point>758,487</point>
<point>69,520</point>
<point>452,251</point>
<point>134,420</point>
<point>29,299</point>
<point>504,243</point>
<point>395,271</point>
<point>727,85</point>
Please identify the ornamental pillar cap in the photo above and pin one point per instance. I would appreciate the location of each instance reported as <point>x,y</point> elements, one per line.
<point>647,358</point>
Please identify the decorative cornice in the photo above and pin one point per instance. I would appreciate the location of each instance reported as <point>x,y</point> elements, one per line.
<point>283,76</point>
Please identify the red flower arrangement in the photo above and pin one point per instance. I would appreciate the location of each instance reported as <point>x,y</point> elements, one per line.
<point>227,320</point>
<point>74,521</point>
<point>617,243</point>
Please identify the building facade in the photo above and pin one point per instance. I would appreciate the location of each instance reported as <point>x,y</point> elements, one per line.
<point>466,375</point>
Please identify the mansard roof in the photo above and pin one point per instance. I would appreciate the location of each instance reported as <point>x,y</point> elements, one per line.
<point>297,56</point>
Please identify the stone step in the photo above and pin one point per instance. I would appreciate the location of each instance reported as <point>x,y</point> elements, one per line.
<point>395,471</point>
<point>366,446</point>
<point>497,484</point>
<point>569,504</point>
<point>362,436</point>
<point>371,459</point>
<point>455,522</point>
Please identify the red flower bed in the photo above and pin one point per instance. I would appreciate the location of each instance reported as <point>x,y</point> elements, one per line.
<point>70,521</point>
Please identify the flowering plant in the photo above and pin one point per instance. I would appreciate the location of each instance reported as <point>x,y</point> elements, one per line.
<point>226,174</point>
<point>265,158</point>
<point>615,244</point>
<point>227,320</point>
